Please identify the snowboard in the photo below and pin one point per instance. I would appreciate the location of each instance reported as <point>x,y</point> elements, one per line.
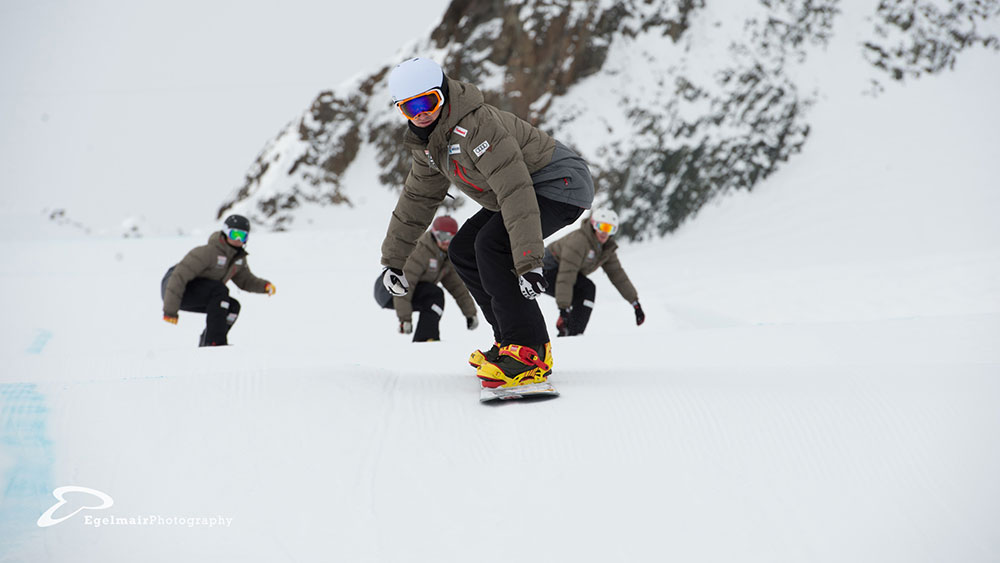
<point>532,390</point>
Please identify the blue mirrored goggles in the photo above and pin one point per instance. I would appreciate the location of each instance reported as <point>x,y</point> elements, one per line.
<point>427,102</point>
<point>238,234</point>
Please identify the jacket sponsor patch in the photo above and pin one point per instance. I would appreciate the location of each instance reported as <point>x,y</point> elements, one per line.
<point>591,254</point>
<point>220,261</point>
<point>485,146</point>
<point>460,131</point>
<point>454,149</point>
<point>433,264</point>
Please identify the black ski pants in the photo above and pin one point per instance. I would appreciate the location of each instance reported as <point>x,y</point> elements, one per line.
<point>428,301</point>
<point>584,292</point>
<point>481,253</point>
<point>211,297</point>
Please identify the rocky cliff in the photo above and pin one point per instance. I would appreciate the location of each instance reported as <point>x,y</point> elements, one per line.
<point>673,102</point>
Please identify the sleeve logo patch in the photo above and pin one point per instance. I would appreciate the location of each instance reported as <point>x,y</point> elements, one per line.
<point>454,149</point>
<point>485,146</point>
<point>461,132</point>
<point>430,159</point>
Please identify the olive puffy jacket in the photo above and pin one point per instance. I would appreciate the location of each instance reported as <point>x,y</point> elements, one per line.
<point>428,263</point>
<point>581,253</point>
<point>488,154</point>
<point>216,260</point>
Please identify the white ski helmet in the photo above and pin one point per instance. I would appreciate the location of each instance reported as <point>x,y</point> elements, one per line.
<point>414,76</point>
<point>607,217</point>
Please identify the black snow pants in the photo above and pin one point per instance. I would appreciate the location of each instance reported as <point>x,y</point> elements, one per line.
<point>428,300</point>
<point>212,298</point>
<point>481,253</point>
<point>584,292</point>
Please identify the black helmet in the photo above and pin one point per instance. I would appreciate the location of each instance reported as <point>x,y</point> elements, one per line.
<point>238,222</point>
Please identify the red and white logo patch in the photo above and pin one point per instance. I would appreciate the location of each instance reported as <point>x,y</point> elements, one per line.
<point>461,132</point>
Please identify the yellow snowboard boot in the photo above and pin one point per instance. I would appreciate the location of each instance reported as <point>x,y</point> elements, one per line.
<point>548,361</point>
<point>477,358</point>
<point>516,365</point>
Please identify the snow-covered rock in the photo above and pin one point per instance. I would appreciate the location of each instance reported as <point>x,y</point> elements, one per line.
<point>694,99</point>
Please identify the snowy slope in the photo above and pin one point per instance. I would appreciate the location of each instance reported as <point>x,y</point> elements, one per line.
<point>817,381</point>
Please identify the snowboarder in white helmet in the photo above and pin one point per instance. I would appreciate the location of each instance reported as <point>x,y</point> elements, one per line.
<point>197,283</point>
<point>529,186</point>
<point>568,262</point>
<point>607,216</point>
<point>428,266</point>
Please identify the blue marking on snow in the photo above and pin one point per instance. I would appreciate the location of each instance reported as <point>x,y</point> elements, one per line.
<point>26,481</point>
<point>41,339</point>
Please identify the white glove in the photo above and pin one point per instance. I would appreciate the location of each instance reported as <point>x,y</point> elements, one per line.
<point>532,283</point>
<point>395,281</point>
<point>405,327</point>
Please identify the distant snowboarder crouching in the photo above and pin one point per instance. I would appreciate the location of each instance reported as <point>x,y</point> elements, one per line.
<point>198,282</point>
<point>428,266</point>
<point>568,262</point>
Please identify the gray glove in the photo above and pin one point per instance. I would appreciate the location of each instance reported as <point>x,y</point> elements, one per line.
<point>395,281</point>
<point>405,327</point>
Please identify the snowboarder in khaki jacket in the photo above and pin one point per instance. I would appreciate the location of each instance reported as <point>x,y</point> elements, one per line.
<point>529,186</point>
<point>568,262</point>
<point>198,282</point>
<point>427,266</point>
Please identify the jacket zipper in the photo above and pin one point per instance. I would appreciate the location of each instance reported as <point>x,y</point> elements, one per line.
<point>231,267</point>
<point>458,170</point>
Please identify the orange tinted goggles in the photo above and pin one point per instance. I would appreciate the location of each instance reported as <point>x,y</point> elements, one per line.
<point>427,102</point>
<point>606,227</point>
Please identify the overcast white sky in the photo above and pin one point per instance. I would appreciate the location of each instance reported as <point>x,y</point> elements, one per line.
<point>171,100</point>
